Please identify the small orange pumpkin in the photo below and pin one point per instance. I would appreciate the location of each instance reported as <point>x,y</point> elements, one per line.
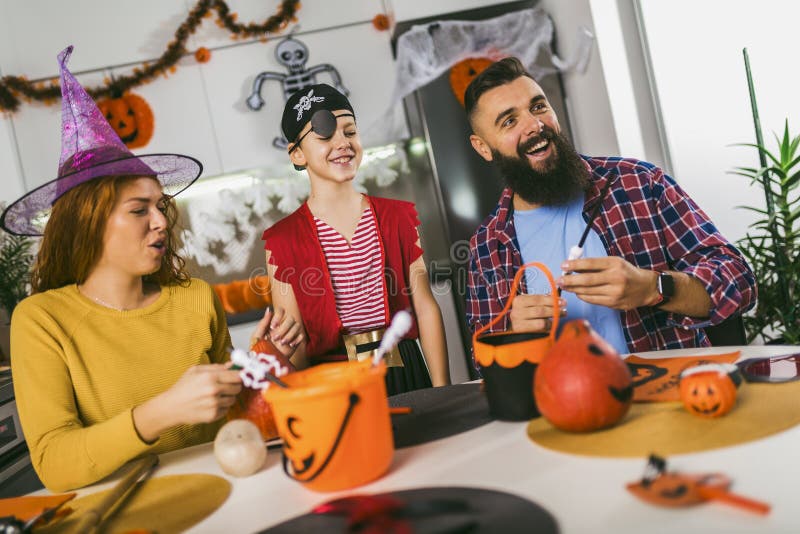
<point>709,390</point>
<point>381,22</point>
<point>202,54</point>
<point>582,384</point>
<point>250,403</point>
<point>463,72</point>
<point>131,117</point>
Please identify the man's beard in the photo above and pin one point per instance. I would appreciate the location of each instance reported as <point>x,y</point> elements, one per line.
<point>562,179</point>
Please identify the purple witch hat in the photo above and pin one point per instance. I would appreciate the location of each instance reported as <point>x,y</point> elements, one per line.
<point>90,149</point>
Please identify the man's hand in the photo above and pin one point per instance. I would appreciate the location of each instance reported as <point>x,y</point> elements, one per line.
<point>610,282</point>
<point>534,313</point>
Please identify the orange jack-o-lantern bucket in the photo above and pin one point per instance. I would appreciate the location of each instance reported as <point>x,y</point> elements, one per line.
<point>335,424</point>
<point>509,359</point>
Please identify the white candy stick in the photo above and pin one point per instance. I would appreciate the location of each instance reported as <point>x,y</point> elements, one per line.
<point>240,358</point>
<point>401,322</point>
<point>574,253</point>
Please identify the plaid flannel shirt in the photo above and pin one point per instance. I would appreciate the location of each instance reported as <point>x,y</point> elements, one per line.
<point>646,219</point>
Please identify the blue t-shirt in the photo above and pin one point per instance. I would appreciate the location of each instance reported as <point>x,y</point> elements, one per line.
<point>545,235</point>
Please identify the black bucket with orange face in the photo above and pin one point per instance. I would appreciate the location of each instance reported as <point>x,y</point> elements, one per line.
<point>509,359</point>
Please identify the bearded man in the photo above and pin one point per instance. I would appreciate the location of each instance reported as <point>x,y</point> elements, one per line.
<point>655,270</point>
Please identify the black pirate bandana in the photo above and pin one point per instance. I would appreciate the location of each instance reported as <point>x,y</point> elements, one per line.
<point>314,104</point>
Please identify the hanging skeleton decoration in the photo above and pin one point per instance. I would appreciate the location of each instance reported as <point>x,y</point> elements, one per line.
<point>293,55</point>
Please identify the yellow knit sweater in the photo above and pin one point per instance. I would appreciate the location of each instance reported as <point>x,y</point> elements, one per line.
<point>80,368</point>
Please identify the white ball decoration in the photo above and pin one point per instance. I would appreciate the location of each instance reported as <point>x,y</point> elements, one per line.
<point>239,448</point>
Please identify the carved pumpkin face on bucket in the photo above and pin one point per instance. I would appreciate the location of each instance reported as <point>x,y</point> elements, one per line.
<point>131,117</point>
<point>582,384</point>
<point>334,421</point>
<point>709,390</point>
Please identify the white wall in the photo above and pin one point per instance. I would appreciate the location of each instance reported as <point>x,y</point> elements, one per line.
<point>696,50</point>
<point>591,118</point>
<point>11,186</point>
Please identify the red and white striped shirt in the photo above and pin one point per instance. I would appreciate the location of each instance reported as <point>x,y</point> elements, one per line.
<point>356,270</point>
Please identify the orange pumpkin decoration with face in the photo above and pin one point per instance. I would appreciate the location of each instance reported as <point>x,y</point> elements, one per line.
<point>582,384</point>
<point>131,117</point>
<point>709,390</point>
<point>463,72</point>
<point>250,404</point>
<point>335,424</point>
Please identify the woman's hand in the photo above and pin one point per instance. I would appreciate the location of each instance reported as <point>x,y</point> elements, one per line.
<point>280,328</point>
<point>201,395</point>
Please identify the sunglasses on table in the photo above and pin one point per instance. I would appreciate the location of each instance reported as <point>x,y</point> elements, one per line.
<point>774,369</point>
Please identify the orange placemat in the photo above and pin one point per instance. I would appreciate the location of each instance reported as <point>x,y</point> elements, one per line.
<point>666,428</point>
<point>165,504</point>
<point>656,379</point>
<point>25,508</point>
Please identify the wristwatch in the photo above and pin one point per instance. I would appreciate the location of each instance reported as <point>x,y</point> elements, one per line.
<point>665,287</point>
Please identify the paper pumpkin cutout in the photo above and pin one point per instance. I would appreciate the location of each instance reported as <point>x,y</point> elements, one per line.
<point>131,117</point>
<point>463,72</point>
<point>582,384</point>
<point>710,390</point>
<point>675,490</point>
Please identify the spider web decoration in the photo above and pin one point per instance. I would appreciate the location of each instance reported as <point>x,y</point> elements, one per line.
<point>226,224</point>
<point>426,51</point>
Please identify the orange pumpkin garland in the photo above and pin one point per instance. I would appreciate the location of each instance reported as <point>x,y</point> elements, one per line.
<point>463,72</point>
<point>131,117</point>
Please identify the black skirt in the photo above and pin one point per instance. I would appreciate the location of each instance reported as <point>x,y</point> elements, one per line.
<point>413,375</point>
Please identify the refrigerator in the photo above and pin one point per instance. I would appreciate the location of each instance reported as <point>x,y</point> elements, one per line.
<point>453,187</point>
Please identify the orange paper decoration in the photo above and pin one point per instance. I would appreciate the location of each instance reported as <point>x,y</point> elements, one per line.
<point>244,295</point>
<point>463,72</point>
<point>202,54</point>
<point>381,22</point>
<point>131,117</point>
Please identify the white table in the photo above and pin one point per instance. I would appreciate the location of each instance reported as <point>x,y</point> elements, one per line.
<point>585,494</point>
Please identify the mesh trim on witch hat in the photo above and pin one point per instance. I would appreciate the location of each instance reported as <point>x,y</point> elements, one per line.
<point>90,149</point>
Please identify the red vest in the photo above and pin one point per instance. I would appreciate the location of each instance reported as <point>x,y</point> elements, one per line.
<point>299,261</point>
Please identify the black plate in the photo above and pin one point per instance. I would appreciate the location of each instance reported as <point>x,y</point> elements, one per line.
<point>438,510</point>
<point>437,413</point>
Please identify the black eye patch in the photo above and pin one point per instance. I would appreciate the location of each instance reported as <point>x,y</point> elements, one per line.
<point>323,123</point>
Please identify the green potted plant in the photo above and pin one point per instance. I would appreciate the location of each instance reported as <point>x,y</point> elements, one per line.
<point>16,258</point>
<point>772,245</point>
